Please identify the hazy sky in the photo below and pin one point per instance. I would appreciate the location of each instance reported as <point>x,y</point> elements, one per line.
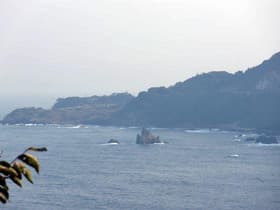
<point>52,48</point>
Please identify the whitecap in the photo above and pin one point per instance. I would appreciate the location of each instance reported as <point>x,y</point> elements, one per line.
<point>198,131</point>
<point>264,145</point>
<point>234,156</point>
<point>30,124</point>
<point>109,144</point>
<point>74,127</point>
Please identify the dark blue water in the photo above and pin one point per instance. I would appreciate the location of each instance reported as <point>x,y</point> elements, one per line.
<point>203,170</point>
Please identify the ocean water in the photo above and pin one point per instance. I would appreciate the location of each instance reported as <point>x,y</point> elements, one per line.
<point>196,170</point>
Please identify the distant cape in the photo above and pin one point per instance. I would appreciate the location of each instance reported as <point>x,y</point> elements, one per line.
<point>218,99</point>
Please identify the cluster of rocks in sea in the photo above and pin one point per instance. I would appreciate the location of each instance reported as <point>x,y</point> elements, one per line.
<point>263,139</point>
<point>146,137</point>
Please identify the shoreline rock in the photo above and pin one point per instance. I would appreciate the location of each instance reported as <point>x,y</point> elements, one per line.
<point>266,140</point>
<point>263,139</point>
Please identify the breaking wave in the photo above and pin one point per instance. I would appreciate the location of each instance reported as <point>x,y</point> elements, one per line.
<point>264,145</point>
<point>109,144</point>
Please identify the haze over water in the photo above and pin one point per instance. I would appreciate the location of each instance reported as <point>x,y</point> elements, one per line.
<point>58,48</point>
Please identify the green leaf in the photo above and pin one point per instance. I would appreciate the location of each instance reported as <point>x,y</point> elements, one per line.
<point>3,199</point>
<point>4,192</point>
<point>38,149</point>
<point>30,160</point>
<point>8,171</point>
<point>18,168</point>
<point>28,175</point>
<point>16,180</point>
<point>5,164</point>
<point>3,183</point>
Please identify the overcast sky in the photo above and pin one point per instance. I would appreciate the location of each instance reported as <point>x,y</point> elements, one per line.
<point>52,48</point>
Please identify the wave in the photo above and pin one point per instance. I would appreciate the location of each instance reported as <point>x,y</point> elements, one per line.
<point>154,128</point>
<point>76,126</point>
<point>25,124</point>
<point>130,127</point>
<point>109,144</point>
<point>264,145</point>
<point>208,130</point>
<point>51,125</point>
<point>73,127</point>
<point>248,135</point>
<point>233,156</point>
<point>31,124</point>
<point>199,130</point>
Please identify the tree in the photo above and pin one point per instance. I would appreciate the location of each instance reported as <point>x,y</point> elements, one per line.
<point>16,169</point>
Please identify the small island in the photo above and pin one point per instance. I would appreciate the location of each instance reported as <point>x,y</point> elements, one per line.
<point>147,137</point>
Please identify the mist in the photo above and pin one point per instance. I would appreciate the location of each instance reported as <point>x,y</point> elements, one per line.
<point>59,48</point>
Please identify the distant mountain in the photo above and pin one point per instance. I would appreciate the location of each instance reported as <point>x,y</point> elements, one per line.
<point>218,99</point>
<point>72,110</point>
<point>215,99</point>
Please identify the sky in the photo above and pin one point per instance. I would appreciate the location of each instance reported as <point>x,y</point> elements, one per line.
<point>60,48</point>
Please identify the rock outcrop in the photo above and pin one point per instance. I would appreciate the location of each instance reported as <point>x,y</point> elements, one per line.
<point>147,137</point>
<point>250,139</point>
<point>263,139</point>
<point>266,139</point>
<point>113,141</point>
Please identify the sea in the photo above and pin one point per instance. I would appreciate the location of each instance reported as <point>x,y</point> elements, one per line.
<point>196,169</point>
